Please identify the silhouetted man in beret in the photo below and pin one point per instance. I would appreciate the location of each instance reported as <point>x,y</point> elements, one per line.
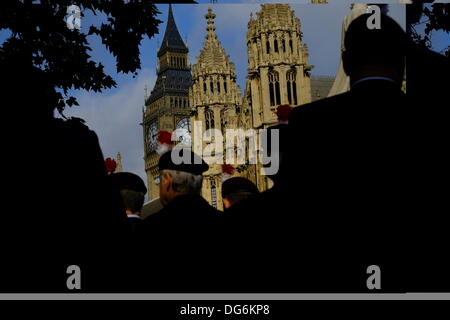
<point>180,237</point>
<point>237,189</point>
<point>132,191</point>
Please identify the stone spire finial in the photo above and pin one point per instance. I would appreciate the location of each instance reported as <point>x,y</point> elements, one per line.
<point>119,167</point>
<point>210,16</point>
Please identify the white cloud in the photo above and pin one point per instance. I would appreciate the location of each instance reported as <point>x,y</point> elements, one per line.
<point>116,118</point>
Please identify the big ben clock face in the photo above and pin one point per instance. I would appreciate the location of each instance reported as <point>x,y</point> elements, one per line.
<point>152,136</point>
<point>184,131</point>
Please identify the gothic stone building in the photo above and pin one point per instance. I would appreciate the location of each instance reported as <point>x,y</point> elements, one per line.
<point>278,73</point>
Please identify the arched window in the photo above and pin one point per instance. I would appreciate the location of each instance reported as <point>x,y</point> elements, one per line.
<point>218,86</point>
<point>274,88</point>
<point>213,194</point>
<point>211,86</point>
<point>225,86</point>
<point>283,43</point>
<point>267,47</point>
<point>204,87</point>
<point>291,87</point>
<point>209,119</point>
<point>275,45</point>
<point>290,45</point>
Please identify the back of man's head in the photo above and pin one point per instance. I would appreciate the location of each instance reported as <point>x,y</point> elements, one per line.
<point>237,189</point>
<point>133,200</point>
<point>374,50</point>
<point>132,190</point>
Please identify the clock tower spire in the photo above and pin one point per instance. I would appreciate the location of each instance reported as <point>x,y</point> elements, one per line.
<point>167,107</point>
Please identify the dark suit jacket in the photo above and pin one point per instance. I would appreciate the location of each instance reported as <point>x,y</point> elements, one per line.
<point>179,246</point>
<point>134,223</point>
<point>357,178</point>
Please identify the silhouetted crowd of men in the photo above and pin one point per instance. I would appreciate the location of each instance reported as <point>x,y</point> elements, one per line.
<point>362,182</point>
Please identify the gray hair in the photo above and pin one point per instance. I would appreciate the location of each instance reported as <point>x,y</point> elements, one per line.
<point>185,182</point>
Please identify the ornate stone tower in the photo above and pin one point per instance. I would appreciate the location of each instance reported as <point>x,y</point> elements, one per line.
<point>167,108</point>
<point>215,99</point>
<point>278,69</point>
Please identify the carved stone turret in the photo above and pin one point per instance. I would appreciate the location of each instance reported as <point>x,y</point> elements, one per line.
<point>215,99</point>
<point>278,70</point>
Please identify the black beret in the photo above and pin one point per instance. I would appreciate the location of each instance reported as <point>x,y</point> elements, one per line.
<point>194,163</point>
<point>128,180</point>
<point>238,185</point>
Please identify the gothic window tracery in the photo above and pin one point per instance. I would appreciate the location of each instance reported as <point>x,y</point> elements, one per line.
<point>213,194</point>
<point>291,87</point>
<point>209,119</point>
<point>274,88</point>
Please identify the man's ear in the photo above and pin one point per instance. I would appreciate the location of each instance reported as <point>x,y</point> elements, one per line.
<point>168,181</point>
<point>226,203</point>
<point>346,62</point>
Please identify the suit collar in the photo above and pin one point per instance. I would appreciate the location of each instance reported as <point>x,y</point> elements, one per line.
<point>374,78</point>
<point>373,84</point>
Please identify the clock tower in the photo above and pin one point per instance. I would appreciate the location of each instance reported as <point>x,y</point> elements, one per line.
<point>167,107</point>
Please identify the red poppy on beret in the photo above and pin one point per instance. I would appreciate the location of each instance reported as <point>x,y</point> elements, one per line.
<point>110,165</point>
<point>227,168</point>
<point>283,112</point>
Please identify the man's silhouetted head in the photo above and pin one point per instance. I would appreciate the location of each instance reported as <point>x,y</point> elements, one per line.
<point>132,190</point>
<point>237,189</point>
<point>374,52</point>
<point>179,178</point>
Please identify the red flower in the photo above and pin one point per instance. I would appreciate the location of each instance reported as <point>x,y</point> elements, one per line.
<point>283,112</point>
<point>110,165</point>
<point>227,169</point>
<point>165,137</point>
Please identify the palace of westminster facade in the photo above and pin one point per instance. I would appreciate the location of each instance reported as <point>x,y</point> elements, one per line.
<point>278,73</point>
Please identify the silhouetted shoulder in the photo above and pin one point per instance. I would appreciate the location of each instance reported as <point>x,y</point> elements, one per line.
<point>319,108</point>
<point>73,127</point>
